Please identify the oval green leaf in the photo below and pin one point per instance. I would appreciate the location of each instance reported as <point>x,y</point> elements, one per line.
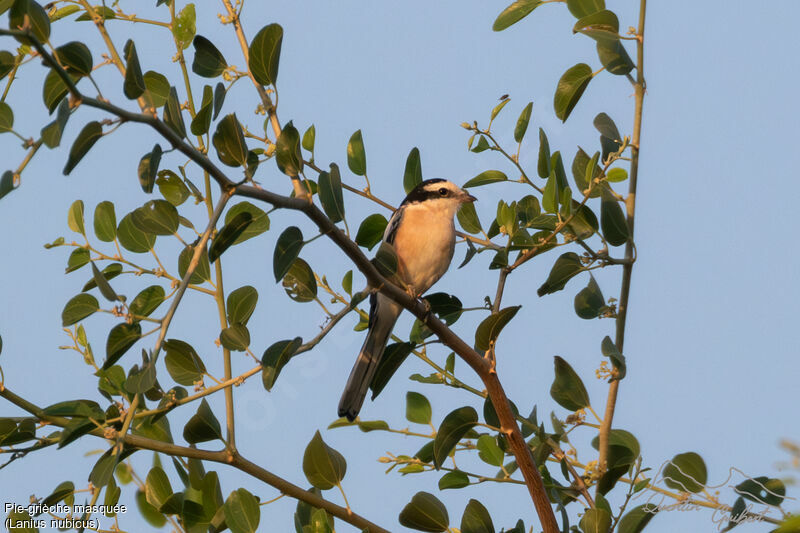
<point>567,388</point>
<point>570,88</point>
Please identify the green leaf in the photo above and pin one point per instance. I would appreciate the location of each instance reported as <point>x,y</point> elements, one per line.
<point>570,88</point>
<point>89,135</point>
<point>77,259</point>
<point>413,173</point>
<point>235,337</point>
<point>609,349</point>
<point>616,175</point>
<point>208,60</point>
<point>78,308</point>
<point>489,451</point>
<point>103,469</point>
<point>299,282</point>
<point>102,284</point>
<point>425,513</point>
<point>543,167</point>
<point>589,302</point>
<point>489,329</point>
<point>486,177</point>
<point>147,301</point>
<point>37,18</point>
<point>288,247</point>
<point>202,120</point>
<point>7,62</point>
<point>599,25</point>
<point>550,195</point>
<point>265,54</point>
<point>490,414</point>
<point>105,222</point>
<point>499,107</point>
<point>610,138</point>
<point>596,520</point>
<point>184,26</point>
<point>287,151</point>
<point>172,114</point>
<point>347,282</point>
<point>75,408</point>
<point>468,218</point>
<point>54,90</point>
<point>183,363</point>
<point>6,118</point>
<point>452,429</point>
<point>582,8</point>
<point>623,449</point>
<point>638,517</point>
<point>522,122</point>
<point>241,304</point>
<point>514,13</point>
<point>356,156</point>
<point>259,220</point>
<point>148,168</point>
<point>330,193</point>
<point>219,98</point>
<point>51,134</point>
<point>229,141</point>
<point>476,519</point>
<point>157,217</point>
<point>393,357</point>
<point>371,230</point>
<point>134,85</point>
<point>75,217</point>
<point>482,145</point>
<point>686,472</point>
<point>567,388</point>
<point>203,426</point>
<point>612,221</point>
<point>762,490</point>
<point>614,57</point>
<point>228,234</point>
<point>323,466</point>
<point>120,339</point>
<point>141,380</point>
<point>454,480</point>
<point>275,358</point>
<point>242,512</point>
<point>75,57</point>
<point>309,137</point>
<point>566,267</point>
<point>418,408</point>
<point>62,492</point>
<point>157,88</point>
<point>105,13</point>
<point>172,187</point>
<point>201,273</point>
<point>157,487</point>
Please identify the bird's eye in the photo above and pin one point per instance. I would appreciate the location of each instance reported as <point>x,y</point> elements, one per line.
<point>443,191</point>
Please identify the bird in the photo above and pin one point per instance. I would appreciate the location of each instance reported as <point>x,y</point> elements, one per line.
<point>423,235</point>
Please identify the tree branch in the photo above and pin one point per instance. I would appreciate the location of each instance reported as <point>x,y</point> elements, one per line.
<point>627,267</point>
<point>221,456</point>
<point>475,360</point>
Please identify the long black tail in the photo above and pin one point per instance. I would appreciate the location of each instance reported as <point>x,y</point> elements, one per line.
<point>383,320</point>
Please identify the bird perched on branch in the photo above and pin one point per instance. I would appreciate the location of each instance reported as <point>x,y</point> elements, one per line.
<point>423,235</point>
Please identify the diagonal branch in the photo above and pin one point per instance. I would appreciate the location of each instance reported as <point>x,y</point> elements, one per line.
<point>221,456</point>
<point>481,366</point>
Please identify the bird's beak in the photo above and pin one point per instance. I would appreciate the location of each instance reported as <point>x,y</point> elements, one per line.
<point>467,198</point>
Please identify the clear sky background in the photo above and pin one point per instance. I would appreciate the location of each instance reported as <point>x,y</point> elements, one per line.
<point>712,342</point>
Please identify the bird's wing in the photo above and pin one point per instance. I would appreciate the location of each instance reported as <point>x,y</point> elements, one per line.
<point>391,227</point>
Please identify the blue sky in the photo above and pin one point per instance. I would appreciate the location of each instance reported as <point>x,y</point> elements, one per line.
<point>712,343</point>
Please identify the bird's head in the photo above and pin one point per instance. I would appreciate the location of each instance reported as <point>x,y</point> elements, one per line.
<point>439,193</point>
